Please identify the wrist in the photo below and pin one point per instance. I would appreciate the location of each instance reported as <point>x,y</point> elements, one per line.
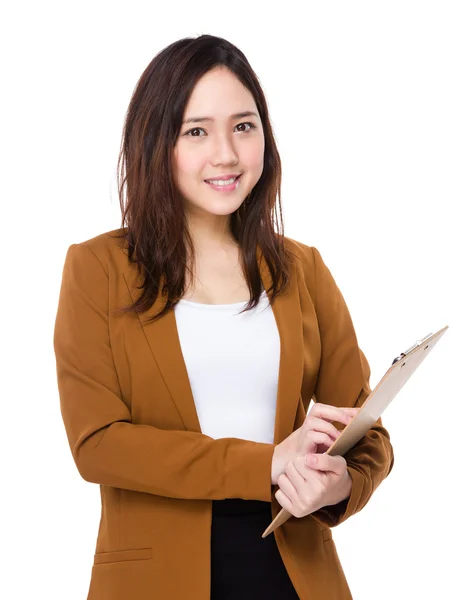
<point>276,465</point>
<point>348,489</point>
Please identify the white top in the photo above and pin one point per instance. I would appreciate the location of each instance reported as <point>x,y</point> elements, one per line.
<point>232,363</point>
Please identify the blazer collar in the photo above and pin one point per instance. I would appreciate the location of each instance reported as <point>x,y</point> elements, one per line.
<point>163,339</point>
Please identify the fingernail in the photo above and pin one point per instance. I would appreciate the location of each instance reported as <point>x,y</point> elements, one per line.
<point>311,460</point>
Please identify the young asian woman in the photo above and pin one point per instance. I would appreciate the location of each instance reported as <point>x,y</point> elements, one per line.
<point>189,344</point>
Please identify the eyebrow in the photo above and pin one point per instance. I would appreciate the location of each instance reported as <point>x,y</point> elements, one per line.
<point>240,115</point>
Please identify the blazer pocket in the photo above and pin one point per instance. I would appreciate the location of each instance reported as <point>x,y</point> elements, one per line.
<point>101,558</point>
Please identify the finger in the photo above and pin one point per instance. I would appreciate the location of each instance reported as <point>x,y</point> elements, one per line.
<point>324,462</point>
<point>295,474</point>
<point>341,414</point>
<point>310,475</point>
<point>284,501</point>
<point>287,486</point>
<point>313,423</point>
<point>322,440</point>
<point>351,410</point>
<point>328,411</point>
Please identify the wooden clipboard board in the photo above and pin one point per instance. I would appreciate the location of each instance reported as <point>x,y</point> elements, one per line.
<point>385,391</point>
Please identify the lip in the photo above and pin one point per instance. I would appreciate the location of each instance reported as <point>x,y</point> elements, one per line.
<point>224,177</point>
<point>223,189</point>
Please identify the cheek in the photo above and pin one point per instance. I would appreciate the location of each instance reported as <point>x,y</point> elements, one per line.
<point>252,156</point>
<point>188,163</point>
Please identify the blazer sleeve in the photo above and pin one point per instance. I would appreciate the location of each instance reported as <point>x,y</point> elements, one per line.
<point>343,380</point>
<point>106,446</point>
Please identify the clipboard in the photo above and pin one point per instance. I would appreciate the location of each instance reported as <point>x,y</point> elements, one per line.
<point>397,375</point>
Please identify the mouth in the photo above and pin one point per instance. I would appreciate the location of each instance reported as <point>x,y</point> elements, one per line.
<point>227,186</point>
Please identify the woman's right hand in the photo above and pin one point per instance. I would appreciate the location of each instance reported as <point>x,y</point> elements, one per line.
<point>315,436</point>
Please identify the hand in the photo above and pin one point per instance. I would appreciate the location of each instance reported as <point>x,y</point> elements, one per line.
<point>315,436</point>
<point>304,489</point>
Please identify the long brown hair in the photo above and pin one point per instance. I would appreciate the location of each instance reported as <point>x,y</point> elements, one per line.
<point>153,219</point>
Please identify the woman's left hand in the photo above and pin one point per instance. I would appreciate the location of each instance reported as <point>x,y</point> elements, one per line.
<point>304,489</point>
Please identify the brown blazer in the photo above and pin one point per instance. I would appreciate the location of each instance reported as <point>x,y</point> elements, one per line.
<point>132,428</point>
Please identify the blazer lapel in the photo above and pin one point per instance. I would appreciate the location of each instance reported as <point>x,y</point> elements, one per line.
<point>163,340</point>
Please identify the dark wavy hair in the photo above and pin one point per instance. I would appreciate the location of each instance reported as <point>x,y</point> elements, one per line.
<point>153,218</point>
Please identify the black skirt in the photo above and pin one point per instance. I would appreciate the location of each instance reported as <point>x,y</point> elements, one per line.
<point>243,564</point>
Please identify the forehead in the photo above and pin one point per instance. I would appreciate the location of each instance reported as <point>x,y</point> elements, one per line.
<point>219,93</point>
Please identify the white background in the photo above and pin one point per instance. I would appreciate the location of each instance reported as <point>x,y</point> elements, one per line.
<point>373,105</point>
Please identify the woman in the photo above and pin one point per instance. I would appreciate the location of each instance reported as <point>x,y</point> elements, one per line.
<point>189,344</point>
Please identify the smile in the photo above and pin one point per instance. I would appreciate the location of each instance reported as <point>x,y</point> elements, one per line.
<point>226,186</point>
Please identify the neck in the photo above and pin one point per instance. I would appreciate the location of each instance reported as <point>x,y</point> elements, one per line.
<point>212,233</point>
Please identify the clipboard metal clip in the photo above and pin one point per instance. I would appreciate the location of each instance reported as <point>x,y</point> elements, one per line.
<point>415,345</point>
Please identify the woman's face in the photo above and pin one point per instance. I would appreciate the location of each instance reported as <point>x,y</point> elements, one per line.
<point>218,144</point>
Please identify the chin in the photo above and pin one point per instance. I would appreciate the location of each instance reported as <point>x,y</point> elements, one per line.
<point>224,208</point>
<point>217,206</point>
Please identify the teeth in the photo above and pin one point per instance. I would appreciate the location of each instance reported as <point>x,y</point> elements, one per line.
<point>222,181</point>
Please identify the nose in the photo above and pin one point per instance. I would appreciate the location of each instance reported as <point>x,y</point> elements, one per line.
<point>224,151</point>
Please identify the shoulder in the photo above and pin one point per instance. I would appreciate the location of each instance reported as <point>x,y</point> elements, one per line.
<point>109,247</point>
<point>312,269</point>
<point>308,259</point>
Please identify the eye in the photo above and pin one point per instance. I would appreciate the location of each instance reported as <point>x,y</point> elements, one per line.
<point>247,130</point>
<point>190,132</point>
